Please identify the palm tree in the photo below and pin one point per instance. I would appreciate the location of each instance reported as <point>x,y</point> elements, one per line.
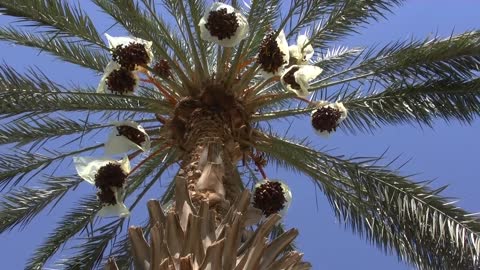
<point>196,88</point>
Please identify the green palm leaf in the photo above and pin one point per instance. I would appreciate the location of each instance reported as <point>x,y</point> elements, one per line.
<point>34,129</point>
<point>346,15</point>
<point>72,223</point>
<point>455,57</point>
<point>65,49</point>
<point>18,102</point>
<point>58,17</point>
<point>94,247</point>
<point>208,106</point>
<point>142,25</point>
<point>21,164</point>
<point>386,208</point>
<point>20,206</point>
<point>400,103</point>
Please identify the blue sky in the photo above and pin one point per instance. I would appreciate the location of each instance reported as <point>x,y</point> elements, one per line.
<point>447,153</point>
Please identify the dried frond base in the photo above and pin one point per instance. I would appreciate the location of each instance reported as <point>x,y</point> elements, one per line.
<point>188,238</point>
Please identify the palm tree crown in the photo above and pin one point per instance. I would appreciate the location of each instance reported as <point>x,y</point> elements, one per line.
<point>195,86</point>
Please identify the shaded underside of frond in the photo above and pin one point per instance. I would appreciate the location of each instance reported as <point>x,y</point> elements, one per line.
<point>345,17</point>
<point>412,81</point>
<point>72,223</point>
<point>34,129</point>
<point>413,61</point>
<point>92,249</point>
<point>17,102</point>
<point>20,206</point>
<point>21,165</point>
<point>56,16</point>
<point>389,210</point>
<point>399,103</point>
<point>64,48</point>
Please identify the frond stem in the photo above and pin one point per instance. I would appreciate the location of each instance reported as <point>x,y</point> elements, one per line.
<point>160,88</point>
<point>259,166</point>
<point>247,77</point>
<point>261,85</point>
<point>191,39</point>
<point>148,158</point>
<point>201,44</point>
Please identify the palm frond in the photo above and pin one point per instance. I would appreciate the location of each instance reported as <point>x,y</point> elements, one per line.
<point>401,103</point>
<point>12,80</point>
<point>306,12</point>
<point>277,114</point>
<point>34,92</point>
<point>63,48</point>
<point>58,16</point>
<point>20,164</point>
<point>121,249</point>
<point>76,220</point>
<point>196,9</point>
<point>261,17</point>
<point>455,58</point>
<point>418,104</point>
<point>185,23</point>
<point>34,129</point>
<point>91,251</point>
<point>73,222</point>
<point>20,206</point>
<point>121,252</point>
<point>345,16</point>
<point>17,102</point>
<point>389,210</point>
<point>143,25</point>
<point>336,59</point>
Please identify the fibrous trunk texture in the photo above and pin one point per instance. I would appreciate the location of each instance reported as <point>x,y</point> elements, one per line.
<point>209,162</point>
<point>189,238</point>
<point>211,224</point>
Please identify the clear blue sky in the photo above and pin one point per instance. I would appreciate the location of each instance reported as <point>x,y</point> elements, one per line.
<point>448,152</point>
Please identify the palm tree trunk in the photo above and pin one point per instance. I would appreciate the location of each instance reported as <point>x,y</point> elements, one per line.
<point>210,225</point>
<point>209,161</point>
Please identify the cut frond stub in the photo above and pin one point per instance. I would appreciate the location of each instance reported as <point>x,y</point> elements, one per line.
<point>223,25</point>
<point>296,78</point>
<point>273,55</point>
<point>110,178</point>
<point>299,53</point>
<point>126,136</point>
<point>272,197</point>
<point>189,237</point>
<point>327,116</point>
